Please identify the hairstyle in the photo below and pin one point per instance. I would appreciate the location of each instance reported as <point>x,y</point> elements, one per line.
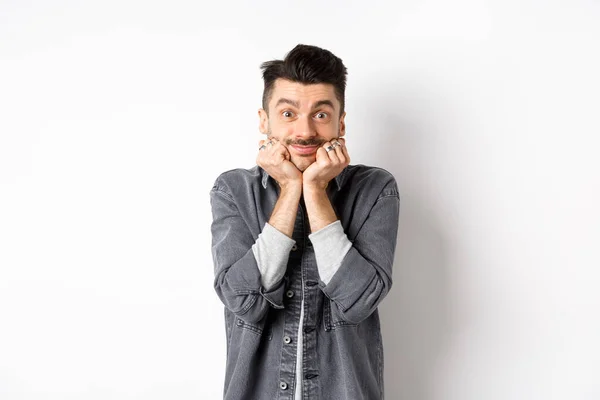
<point>308,65</point>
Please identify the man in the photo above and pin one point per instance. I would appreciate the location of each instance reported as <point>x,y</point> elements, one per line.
<point>303,246</point>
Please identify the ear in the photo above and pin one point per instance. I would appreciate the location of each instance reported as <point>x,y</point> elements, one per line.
<point>263,121</point>
<point>342,125</point>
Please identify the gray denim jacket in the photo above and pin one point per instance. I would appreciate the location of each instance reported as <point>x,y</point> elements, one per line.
<point>342,344</point>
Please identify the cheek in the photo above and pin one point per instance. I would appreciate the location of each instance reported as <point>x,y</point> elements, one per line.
<point>281,130</point>
<point>331,128</point>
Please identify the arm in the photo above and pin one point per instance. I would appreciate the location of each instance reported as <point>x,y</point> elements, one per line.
<point>239,281</point>
<point>272,249</point>
<point>332,245</point>
<point>364,277</point>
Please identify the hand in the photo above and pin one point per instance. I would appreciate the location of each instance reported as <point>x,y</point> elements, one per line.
<point>327,166</point>
<point>275,159</point>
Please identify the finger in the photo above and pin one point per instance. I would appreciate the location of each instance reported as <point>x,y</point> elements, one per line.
<point>286,151</point>
<point>280,148</point>
<point>267,150</point>
<point>332,154</point>
<point>346,155</point>
<point>260,153</point>
<point>321,154</point>
<point>261,149</point>
<point>344,149</point>
<point>275,146</point>
<point>338,145</point>
<point>277,152</point>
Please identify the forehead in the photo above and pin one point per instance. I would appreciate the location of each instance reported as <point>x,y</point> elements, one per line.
<point>305,95</point>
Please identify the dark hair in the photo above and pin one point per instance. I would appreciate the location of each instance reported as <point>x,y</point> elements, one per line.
<point>308,65</point>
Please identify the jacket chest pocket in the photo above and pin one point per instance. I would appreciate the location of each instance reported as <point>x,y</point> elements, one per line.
<point>263,328</point>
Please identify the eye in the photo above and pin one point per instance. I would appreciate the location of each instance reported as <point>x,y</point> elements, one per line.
<point>287,114</point>
<point>325,115</point>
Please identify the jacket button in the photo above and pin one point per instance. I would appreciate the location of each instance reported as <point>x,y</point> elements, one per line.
<point>287,340</point>
<point>283,385</point>
<point>289,293</point>
<point>294,248</point>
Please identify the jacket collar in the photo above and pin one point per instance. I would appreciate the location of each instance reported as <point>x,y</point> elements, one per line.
<point>339,180</point>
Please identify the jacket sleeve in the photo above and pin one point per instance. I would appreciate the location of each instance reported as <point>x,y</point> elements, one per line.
<point>365,275</point>
<point>237,275</point>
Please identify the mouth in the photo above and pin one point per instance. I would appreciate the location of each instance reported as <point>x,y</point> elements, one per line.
<point>305,150</point>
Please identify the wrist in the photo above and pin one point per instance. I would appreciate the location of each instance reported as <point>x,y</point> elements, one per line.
<point>314,187</point>
<point>293,187</point>
<point>314,193</point>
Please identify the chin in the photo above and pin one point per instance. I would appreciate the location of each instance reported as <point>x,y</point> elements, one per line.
<point>301,167</point>
<point>302,164</point>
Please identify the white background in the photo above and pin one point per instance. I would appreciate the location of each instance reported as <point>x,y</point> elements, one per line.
<point>117,116</point>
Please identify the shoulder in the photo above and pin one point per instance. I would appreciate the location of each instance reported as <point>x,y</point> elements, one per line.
<point>238,179</point>
<point>375,179</point>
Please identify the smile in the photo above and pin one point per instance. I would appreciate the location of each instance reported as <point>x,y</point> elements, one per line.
<point>305,149</point>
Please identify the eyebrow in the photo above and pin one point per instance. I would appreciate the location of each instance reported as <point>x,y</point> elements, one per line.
<point>297,105</point>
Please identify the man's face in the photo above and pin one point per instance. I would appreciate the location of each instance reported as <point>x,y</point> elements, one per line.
<point>302,117</point>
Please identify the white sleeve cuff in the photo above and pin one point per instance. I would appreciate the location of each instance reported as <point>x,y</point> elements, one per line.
<point>331,246</point>
<point>271,251</point>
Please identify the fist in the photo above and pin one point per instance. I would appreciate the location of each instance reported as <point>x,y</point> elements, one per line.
<point>328,165</point>
<point>275,159</point>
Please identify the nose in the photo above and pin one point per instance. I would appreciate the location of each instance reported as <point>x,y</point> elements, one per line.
<point>305,128</point>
